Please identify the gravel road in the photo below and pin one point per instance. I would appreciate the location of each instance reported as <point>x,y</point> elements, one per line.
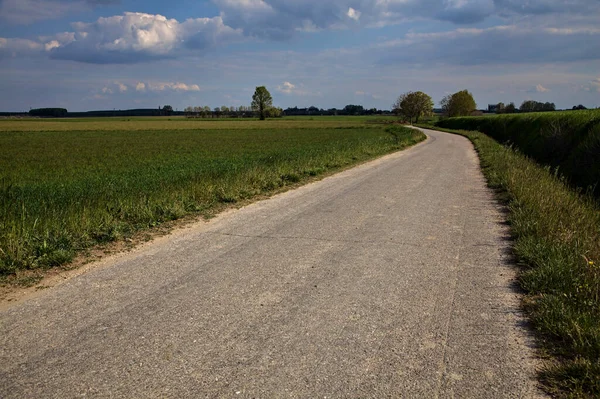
<point>392,279</point>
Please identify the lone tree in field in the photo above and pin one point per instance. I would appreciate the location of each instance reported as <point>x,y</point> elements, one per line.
<point>458,104</point>
<point>413,105</point>
<point>261,101</point>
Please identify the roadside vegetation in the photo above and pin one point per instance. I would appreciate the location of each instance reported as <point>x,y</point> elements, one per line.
<point>69,185</point>
<point>569,141</point>
<point>557,239</point>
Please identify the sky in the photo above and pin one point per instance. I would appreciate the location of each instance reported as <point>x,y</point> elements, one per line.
<point>122,54</point>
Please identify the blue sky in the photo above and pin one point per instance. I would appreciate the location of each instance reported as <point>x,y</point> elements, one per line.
<point>105,54</point>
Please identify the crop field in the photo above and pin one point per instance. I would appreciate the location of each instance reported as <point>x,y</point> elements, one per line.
<point>67,185</point>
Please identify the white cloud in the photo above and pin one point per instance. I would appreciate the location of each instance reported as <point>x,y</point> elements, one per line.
<point>596,84</point>
<point>286,87</point>
<point>161,86</point>
<point>541,89</point>
<point>297,90</point>
<point>138,37</point>
<point>150,86</point>
<point>116,86</point>
<point>353,14</point>
<point>51,44</point>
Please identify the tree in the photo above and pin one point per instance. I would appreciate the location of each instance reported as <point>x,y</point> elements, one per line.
<point>261,101</point>
<point>579,107</point>
<point>167,110</point>
<point>534,106</point>
<point>500,108</point>
<point>49,112</point>
<point>528,106</point>
<point>549,107</point>
<point>352,109</point>
<point>413,105</point>
<point>458,104</point>
<point>273,112</point>
<point>510,108</point>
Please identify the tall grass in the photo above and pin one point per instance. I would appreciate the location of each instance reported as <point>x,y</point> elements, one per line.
<point>557,241</point>
<point>569,141</point>
<point>63,191</point>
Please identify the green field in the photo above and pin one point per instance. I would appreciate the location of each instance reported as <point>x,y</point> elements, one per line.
<point>67,185</point>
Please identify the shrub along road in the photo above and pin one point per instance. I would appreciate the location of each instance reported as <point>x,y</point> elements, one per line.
<point>390,279</point>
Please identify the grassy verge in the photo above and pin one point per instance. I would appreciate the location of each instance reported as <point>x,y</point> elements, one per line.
<point>557,241</point>
<point>569,141</point>
<point>69,189</point>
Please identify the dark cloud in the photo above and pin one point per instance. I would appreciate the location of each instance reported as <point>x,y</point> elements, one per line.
<point>540,7</point>
<point>501,45</point>
<point>103,2</point>
<point>29,11</point>
<point>77,53</point>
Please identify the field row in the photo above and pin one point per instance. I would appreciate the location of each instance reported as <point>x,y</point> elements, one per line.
<point>181,123</point>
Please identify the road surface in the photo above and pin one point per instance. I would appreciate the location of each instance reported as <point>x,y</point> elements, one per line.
<point>387,280</point>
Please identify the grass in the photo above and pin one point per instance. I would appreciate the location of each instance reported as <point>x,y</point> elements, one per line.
<point>182,123</point>
<point>68,185</point>
<point>569,141</point>
<point>557,242</point>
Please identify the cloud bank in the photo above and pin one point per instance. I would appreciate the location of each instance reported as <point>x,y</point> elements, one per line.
<point>140,37</point>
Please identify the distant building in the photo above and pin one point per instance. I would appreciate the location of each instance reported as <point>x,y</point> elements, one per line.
<point>492,108</point>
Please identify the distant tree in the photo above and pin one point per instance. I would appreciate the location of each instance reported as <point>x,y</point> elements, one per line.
<point>528,106</point>
<point>510,108</point>
<point>274,112</point>
<point>167,110</point>
<point>579,107</point>
<point>500,108</point>
<point>458,104</point>
<point>534,106</point>
<point>413,105</point>
<point>352,109</point>
<point>49,112</point>
<point>261,101</point>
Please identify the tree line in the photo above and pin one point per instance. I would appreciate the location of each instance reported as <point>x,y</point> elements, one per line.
<point>415,105</point>
<point>412,106</point>
<point>527,106</point>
